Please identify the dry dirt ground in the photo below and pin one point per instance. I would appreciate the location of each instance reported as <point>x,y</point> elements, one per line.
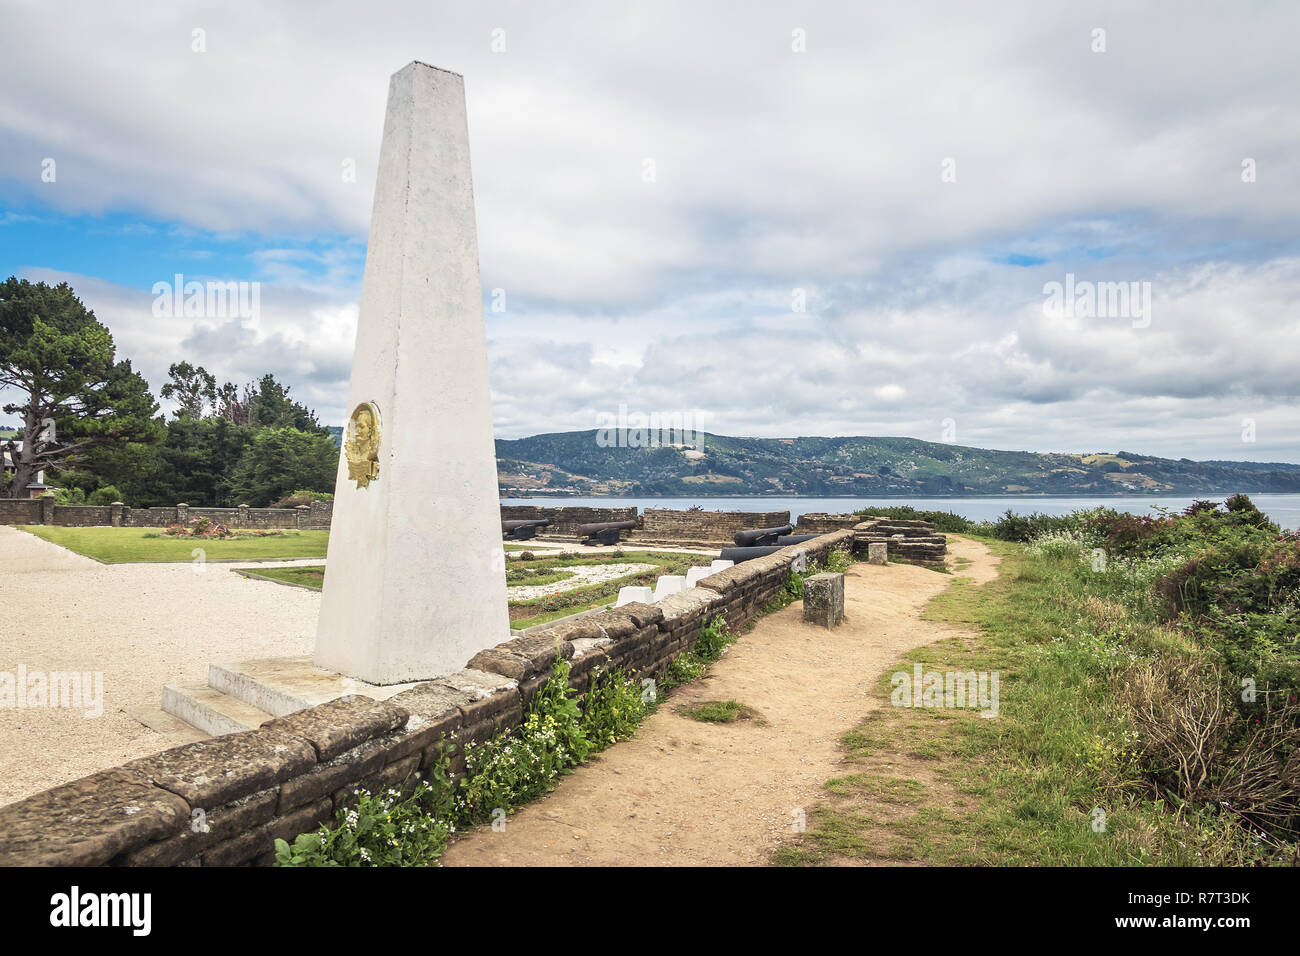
<point>684,793</point>
<point>142,626</point>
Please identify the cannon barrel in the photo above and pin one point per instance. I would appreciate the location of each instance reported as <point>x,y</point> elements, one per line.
<point>795,538</point>
<point>590,530</point>
<point>760,536</point>
<point>525,523</point>
<point>522,530</point>
<point>739,555</point>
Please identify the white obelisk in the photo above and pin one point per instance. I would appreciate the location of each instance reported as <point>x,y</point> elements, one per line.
<point>413,581</point>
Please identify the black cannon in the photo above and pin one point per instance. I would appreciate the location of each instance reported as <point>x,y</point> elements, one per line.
<point>795,538</point>
<point>522,530</point>
<point>602,532</point>
<point>739,555</point>
<point>756,537</point>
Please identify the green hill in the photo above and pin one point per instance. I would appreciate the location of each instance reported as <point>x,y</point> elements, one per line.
<point>575,463</point>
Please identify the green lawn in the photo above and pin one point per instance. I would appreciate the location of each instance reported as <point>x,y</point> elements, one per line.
<point>308,575</point>
<point>1047,782</point>
<point>140,545</point>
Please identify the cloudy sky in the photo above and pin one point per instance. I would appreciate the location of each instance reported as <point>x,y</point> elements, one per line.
<point>785,218</point>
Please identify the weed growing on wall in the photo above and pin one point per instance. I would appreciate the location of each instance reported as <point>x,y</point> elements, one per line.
<point>384,829</point>
<point>690,666</point>
<point>523,764</point>
<point>511,769</point>
<point>613,709</point>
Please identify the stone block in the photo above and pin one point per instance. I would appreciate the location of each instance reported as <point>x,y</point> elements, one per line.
<point>260,842</point>
<point>340,724</point>
<point>89,821</point>
<point>209,829</point>
<point>668,584</point>
<point>823,599</point>
<point>643,615</point>
<point>877,552</point>
<point>209,773</point>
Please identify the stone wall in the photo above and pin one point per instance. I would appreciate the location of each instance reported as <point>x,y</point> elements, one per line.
<point>319,514</point>
<point>44,511</point>
<point>225,800</point>
<point>148,517</point>
<point>907,540</point>
<point>565,520</point>
<point>820,522</point>
<point>663,526</point>
<point>81,516</point>
<point>20,511</point>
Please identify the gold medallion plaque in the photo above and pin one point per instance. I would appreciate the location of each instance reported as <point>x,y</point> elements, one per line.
<point>362,445</point>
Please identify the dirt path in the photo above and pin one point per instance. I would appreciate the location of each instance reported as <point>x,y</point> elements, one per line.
<point>684,793</point>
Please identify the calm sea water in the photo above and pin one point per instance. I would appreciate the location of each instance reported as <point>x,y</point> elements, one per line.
<point>1284,509</point>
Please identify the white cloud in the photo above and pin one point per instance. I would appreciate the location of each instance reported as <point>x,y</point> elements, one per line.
<point>775,171</point>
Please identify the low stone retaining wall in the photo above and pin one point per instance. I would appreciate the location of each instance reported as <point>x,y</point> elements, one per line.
<point>907,540</point>
<point>565,520</point>
<point>225,800</point>
<point>45,511</point>
<point>20,511</point>
<point>710,528</point>
<point>820,522</point>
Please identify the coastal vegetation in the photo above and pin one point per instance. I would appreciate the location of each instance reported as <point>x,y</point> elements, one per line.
<point>1148,714</point>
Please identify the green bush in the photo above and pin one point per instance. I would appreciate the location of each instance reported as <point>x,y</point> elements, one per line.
<point>1015,527</point>
<point>67,496</point>
<point>384,829</point>
<point>104,496</point>
<point>523,764</point>
<point>302,497</point>
<point>945,522</point>
<point>612,709</point>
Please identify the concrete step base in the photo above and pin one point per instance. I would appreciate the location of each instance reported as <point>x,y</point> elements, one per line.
<point>210,710</point>
<point>282,685</point>
<point>174,731</point>
<point>245,695</point>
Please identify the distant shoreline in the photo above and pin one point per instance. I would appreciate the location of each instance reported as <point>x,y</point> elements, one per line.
<point>1160,494</point>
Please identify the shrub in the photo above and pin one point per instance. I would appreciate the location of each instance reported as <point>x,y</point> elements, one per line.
<point>303,497</point>
<point>944,521</point>
<point>523,764</point>
<point>380,830</point>
<point>1059,545</point>
<point>1192,742</point>
<point>1015,527</point>
<point>612,709</point>
<point>67,496</point>
<point>105,496</point>
<point>1244,511</point>
<point>1235,577</point>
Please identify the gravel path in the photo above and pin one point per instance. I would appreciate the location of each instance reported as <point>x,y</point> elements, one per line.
<point>142,626</point>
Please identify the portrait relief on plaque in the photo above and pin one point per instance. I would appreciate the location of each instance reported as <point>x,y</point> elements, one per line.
<point>361,445</point>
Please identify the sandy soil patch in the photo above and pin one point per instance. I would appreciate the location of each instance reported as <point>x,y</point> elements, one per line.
<point>685,793</point>
<point>142,626</point>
